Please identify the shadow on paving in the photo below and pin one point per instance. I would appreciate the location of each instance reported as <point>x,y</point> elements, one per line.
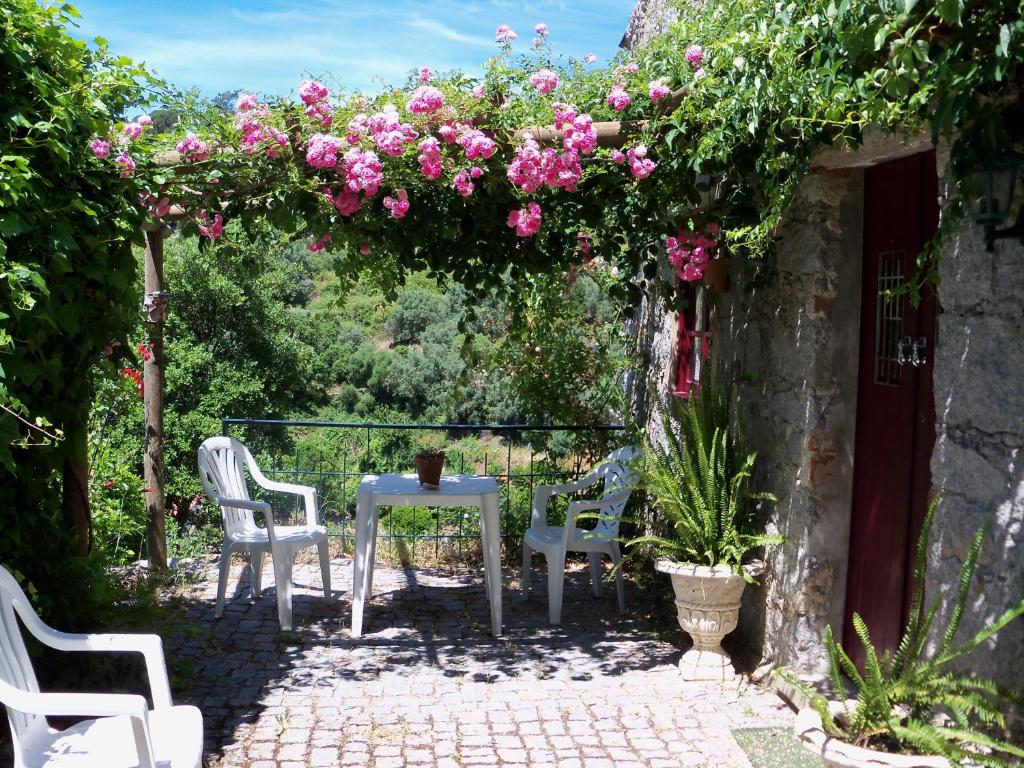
<point>420,622</point>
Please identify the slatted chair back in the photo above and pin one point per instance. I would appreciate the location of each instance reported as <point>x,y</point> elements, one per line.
<point>15,664</point>
<point>618,475</point>
<point>221,471</point>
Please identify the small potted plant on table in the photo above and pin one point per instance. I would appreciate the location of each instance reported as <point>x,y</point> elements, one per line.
<point>705,521</point>
<point>913,710</point>
<point>429,466</point>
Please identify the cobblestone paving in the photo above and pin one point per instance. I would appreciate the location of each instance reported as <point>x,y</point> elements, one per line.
<point>427,685</point>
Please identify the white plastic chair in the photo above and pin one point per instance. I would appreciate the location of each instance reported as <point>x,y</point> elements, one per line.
<point>126,733</point>
<point>555,541</point>
<point>220,471</point>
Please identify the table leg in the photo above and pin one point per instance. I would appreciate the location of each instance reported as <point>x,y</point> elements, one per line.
<point>360,562</point>
<point>490,530</point>
<point>374,526</point>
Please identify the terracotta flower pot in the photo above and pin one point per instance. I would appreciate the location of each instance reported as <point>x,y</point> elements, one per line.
<point>429,467</point>
<point>838,754</point>
<point>708,607</point>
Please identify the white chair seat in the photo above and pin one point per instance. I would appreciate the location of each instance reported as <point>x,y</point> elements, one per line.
<point>545,538</point>
<point>177,735</point>
<point>285,534</point>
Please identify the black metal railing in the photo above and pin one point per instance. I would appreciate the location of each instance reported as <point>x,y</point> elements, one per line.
<point>334,456</point>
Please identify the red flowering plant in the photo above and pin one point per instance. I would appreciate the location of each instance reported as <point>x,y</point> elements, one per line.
<point>116,487</point>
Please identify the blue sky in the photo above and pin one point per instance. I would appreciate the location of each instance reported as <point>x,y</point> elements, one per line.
<point>268,45</point>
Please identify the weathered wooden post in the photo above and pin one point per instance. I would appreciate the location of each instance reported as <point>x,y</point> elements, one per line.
<point>154,308</point>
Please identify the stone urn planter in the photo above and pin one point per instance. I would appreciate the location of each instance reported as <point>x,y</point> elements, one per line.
<point>837,754</point>
<point>708,607</point>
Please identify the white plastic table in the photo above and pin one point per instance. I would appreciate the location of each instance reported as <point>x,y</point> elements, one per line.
<point>377,491</point>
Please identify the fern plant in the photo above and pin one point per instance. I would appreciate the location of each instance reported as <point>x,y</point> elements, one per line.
<point>698,478</point>
<point>912,700</point>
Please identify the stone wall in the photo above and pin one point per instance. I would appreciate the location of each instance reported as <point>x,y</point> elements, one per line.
<point>792,348</point>
<point>978,463</point>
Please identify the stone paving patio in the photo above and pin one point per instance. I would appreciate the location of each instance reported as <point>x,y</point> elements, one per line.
<point>428,685</point>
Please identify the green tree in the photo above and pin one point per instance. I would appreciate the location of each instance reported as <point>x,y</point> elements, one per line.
<point>67,286</point>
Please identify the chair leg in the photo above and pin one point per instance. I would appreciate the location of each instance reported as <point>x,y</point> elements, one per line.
<point>325,566</point>
<point>256,566</point>
<point>527,553</point>
<point>556,579</point>
<point>222,581</point>
<point>283,578</point>
<point>595,572</point>
<point>620,585</point>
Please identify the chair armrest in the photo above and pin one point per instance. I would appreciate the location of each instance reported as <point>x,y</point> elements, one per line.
<point>582,505</point>
<point>542,495</point>
<point>263,507</point>
<point>74,704</point>
<point>307,492</point>
<point>88,705</point>
<point>150,646</point>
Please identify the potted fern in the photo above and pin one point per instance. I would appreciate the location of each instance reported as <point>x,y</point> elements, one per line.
<point>912,708</point>
<point>705,520</point>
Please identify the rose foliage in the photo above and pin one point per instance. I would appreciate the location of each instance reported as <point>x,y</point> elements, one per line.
<point>723,113</point>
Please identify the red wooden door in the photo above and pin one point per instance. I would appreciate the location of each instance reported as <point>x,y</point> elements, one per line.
<point>895,403</point>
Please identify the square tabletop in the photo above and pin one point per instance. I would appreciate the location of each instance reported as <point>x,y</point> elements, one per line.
<point>405,490</point>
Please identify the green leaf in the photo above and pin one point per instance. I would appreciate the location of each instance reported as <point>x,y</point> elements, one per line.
<point>950,11</point>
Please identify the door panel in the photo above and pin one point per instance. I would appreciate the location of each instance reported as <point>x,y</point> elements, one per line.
<point>895,404</point>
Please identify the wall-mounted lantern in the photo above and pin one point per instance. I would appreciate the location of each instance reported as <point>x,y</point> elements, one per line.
<point>994,204</point>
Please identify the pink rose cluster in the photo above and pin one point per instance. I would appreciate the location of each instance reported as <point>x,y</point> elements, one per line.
<point>322,150</point>
<point>158,208</point>
<point>463,184</point>
<point>657,90</point>
<point>398,205</point>
<point>319,244</point>
<point>250,115</point>
<point>387,130</point>
<point>578,132</point>
<point>193,149</point>
<point>425,100</point>
<point>211,229</point>
<point>100,148</point>
<point>315,95</point>
<point>430,157</point>
<point>125,164</point>
<point>544,80</point>
<point>526,221</point>
<point>533,168</point>
<point>640,165</point>
<point>361,170</point>
<point>618,99</point>
<point>505,34</point>
<point>426,74</point>
<point>695,55</point>
<point>690,252</point>
<point>476,143</point>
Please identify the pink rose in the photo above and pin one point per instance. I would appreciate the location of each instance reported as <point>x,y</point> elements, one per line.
<point>505,34</point>
<point>100,148</point>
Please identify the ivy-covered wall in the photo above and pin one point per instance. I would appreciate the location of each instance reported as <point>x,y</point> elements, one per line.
<point>792,346</point>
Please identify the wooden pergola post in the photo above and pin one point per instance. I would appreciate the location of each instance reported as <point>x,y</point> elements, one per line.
<point>154,308</point>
